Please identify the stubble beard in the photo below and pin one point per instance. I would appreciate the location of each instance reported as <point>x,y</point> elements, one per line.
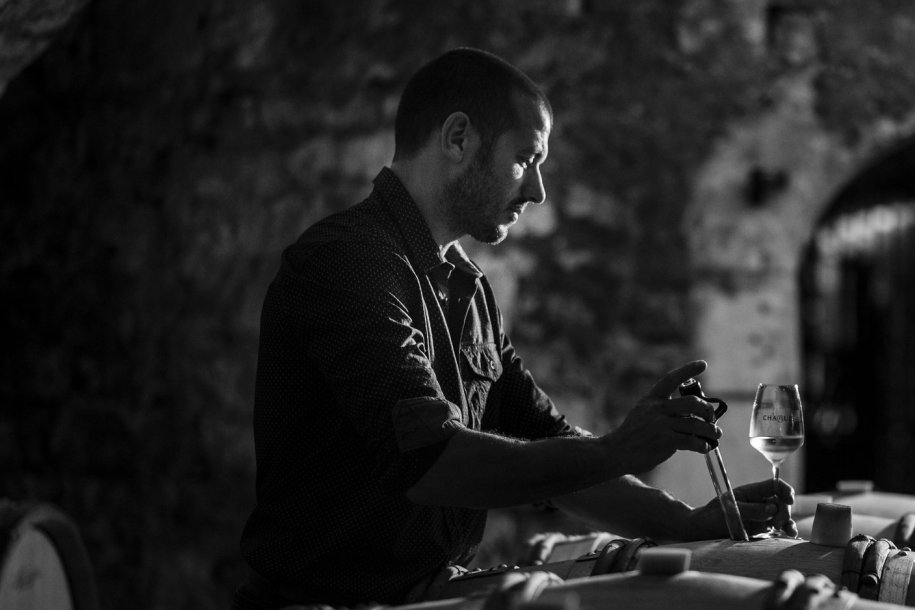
<point>470,204</point>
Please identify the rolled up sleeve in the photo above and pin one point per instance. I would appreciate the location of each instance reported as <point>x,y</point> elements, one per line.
<point>421,422</point>
<point>368,338</point>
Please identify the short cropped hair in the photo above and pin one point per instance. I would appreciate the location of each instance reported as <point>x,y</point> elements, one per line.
<point>471,81</point>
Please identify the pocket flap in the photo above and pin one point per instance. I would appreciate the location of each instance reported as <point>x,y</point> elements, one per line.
<point>483,360</point>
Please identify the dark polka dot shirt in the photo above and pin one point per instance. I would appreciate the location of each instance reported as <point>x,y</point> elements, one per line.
<point>374,349</point>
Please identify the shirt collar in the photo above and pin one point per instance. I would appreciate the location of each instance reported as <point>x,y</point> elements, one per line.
<point>456,256</point>
<point>465,274</point>
<point>423,249</point>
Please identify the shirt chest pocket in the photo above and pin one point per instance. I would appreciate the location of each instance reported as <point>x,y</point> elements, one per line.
<point>480,369</point>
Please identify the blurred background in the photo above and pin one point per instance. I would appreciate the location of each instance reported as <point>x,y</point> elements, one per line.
<point>727,180</point>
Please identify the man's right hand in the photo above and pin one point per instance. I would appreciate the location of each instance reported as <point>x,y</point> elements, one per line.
<point>659,425</point>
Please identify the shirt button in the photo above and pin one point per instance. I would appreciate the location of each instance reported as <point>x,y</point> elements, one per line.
<point>492,365</point>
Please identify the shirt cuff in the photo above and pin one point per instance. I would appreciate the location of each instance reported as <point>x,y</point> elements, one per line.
<point>420,422</point>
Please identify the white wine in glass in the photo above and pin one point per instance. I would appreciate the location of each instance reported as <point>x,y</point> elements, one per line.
<point>775,448</point>
<point>776,426</point>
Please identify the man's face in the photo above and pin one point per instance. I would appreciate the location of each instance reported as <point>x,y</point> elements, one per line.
<point>500,181</point>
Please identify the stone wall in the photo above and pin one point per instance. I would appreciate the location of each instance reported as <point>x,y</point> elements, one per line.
<point>158,156</point>
<point>27,27</point>
<point>758,195</point>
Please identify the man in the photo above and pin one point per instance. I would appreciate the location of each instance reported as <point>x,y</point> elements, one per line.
<point>391,409</point>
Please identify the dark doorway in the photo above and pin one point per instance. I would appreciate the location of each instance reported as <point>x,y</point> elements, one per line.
<point>858,331</point>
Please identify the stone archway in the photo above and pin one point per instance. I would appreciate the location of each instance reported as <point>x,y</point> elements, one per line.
<point>754,205</point>
<point>858,327</point>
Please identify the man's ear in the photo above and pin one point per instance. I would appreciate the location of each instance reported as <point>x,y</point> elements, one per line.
<point>456,135</point>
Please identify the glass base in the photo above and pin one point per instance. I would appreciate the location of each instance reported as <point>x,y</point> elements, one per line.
<point>772,533</point>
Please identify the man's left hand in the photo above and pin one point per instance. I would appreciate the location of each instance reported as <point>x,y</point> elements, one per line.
<point>761,504</point>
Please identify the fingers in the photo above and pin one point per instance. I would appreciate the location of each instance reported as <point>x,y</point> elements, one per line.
<point>693,426</point>
<point>761,491</point>
<point>686,422</point>
<point>782,520</point>
<point>689,406</point>
<point>784,492</point>
<point>697,444</point>
<point>669,382</point>
<point>758,511</point>
<point>662,425</point>
<point>771,511</point>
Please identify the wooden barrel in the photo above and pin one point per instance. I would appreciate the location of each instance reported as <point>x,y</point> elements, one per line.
<point>551,547</point>
<point>618,555</point>
<point>878,503</point>
<point>805,505</point>
<point>43,563</point>
<point>764,559</point>
<point>690,590</point>
<point>635,590</point>
<point>901,531</point>
<point>874,569</point>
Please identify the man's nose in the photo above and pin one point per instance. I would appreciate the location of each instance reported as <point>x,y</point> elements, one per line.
<point>534,189</point>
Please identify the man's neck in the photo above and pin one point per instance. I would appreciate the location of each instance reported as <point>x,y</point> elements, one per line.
<point>422,182</point>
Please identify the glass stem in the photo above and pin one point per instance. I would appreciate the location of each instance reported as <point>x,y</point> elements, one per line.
<point>775,467</point>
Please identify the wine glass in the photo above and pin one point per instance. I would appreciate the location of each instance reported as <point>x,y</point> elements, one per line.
<point>776,428</point>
